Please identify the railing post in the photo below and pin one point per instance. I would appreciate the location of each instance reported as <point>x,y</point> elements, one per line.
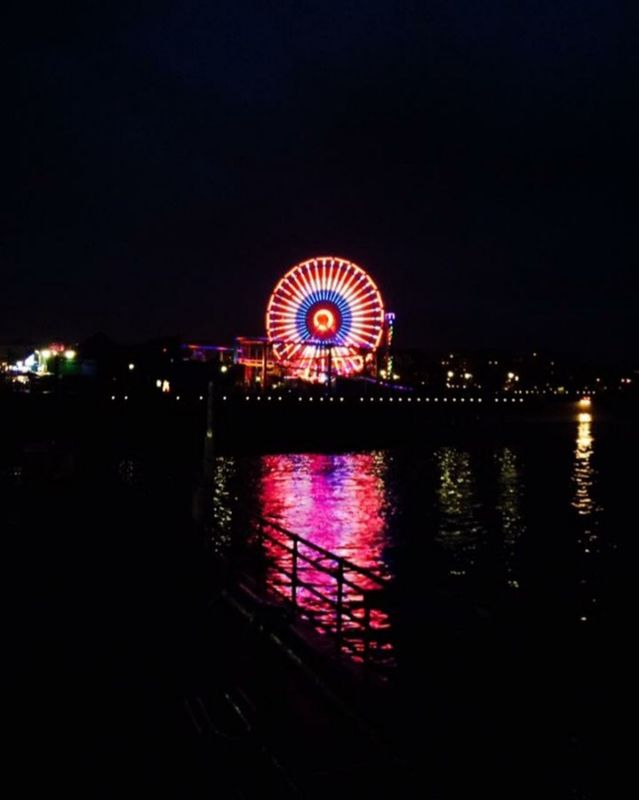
<point>367,630</point>
<point>340,602</point>
<point>294,573</point>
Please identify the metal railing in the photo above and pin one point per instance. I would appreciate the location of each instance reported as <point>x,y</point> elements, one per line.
<point>337,597</point>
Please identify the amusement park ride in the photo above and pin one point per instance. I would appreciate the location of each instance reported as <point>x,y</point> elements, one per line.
<point>324,319</point>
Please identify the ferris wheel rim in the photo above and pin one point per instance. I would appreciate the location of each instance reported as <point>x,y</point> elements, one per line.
<point>341,262</point>
<point>325,302</point>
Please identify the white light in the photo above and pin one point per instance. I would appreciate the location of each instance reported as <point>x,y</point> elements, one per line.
<point>201,397</point>
<point>131,366</point>
<point>223,368</point>
<point>126,396</point>
<point>112,397</point>
<point>158,383</point>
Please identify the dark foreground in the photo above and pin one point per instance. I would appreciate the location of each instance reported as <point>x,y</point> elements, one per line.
<point>132,674</point>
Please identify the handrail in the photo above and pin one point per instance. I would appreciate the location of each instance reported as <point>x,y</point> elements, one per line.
<point>319,566</point>
<point>349,611</point>
<point>355,567</point>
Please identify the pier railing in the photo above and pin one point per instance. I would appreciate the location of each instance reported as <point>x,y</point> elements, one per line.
<point>345,601</point>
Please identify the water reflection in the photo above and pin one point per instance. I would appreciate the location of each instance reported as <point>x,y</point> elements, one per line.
<point>459,527</point>
<point>583,470</point>
<point>224,470</point>
<point>339,503</point>
<point>475,502</point>
<point>130,471</point>
<point>509,500</point>
<point>583,502</point>
<point>336,501</point>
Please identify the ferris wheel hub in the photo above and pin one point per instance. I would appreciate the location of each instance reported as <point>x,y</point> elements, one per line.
<point>324,320</point>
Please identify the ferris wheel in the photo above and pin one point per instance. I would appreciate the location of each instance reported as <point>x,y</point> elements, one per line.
<point>324,317</point>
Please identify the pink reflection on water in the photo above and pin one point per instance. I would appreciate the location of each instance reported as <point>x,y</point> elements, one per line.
<point>339,503</point>
<point>335,501</point>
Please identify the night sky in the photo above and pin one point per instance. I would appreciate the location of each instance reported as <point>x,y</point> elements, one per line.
<point>175,158</point>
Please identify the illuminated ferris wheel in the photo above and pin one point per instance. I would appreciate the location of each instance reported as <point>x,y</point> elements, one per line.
<point>325,317</point>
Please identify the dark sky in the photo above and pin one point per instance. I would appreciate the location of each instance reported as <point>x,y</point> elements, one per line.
<point>478,158</point>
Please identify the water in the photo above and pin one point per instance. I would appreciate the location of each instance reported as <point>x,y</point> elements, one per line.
<point>523,526</point>
<point>510,555</point>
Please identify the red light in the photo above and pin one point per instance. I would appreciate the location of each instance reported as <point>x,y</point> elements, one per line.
<point>323,320</point>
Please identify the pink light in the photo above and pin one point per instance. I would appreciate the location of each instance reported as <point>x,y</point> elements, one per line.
<point>336,502</point>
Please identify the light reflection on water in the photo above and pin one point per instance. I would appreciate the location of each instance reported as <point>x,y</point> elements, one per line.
<point>223,504</point>
<point>337,501</point>
<point>588,512</point>
<point>359,506</point>
<point>583,473</point>
<point>509,508</point>
<point>459,527</point>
